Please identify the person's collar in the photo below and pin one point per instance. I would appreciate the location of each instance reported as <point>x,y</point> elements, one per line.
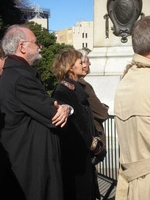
<point>25,65</point>
<point>18,58</point>
<point>137,59</point>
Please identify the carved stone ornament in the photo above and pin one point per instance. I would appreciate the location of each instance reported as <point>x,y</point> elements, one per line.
<point>123,14</point>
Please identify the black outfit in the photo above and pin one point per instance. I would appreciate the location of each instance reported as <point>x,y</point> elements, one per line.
<point>28,136</point>
<point>76,139</point>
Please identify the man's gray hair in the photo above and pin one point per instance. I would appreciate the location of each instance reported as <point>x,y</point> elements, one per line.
<point>12,38</point>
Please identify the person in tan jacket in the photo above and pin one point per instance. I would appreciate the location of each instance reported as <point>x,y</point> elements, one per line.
<point>132,117</point>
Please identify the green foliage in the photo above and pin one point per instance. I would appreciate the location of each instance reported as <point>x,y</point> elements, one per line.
<point>49,50</point>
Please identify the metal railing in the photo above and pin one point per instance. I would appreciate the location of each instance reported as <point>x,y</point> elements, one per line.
<point>109,167</point>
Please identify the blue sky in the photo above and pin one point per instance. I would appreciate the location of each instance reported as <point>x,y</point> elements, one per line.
<point>65,13</point>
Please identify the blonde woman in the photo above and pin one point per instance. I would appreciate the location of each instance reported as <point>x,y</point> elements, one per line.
<point>78,138</point>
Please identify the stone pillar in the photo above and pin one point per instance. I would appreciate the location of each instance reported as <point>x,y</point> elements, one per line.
<point>109,56</point>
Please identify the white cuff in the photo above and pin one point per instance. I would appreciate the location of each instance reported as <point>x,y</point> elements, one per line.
<point>70,108</point>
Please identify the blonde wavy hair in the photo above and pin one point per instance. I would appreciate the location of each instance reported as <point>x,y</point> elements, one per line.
<point>63,62</point>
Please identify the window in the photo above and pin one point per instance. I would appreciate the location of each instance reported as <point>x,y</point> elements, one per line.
<point>82,35</point>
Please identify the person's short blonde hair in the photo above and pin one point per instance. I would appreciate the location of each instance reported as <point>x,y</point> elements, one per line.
<point>63,63</point>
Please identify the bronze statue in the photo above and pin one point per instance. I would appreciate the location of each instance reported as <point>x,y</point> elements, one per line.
<point>123,14</point>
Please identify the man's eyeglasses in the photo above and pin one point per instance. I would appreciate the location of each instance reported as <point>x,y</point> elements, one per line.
<point>36,42</point>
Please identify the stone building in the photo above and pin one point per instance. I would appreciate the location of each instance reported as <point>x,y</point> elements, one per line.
<point>80,35</point>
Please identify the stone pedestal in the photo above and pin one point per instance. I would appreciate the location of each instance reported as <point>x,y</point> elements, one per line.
<point>109,56</point>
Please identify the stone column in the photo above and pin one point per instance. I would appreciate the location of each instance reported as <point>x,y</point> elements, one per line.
<point>109,56</point>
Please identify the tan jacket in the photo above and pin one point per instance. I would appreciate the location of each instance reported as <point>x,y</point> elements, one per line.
<point>132,117</point>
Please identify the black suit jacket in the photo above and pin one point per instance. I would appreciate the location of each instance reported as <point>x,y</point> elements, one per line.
<point>33,149</point>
